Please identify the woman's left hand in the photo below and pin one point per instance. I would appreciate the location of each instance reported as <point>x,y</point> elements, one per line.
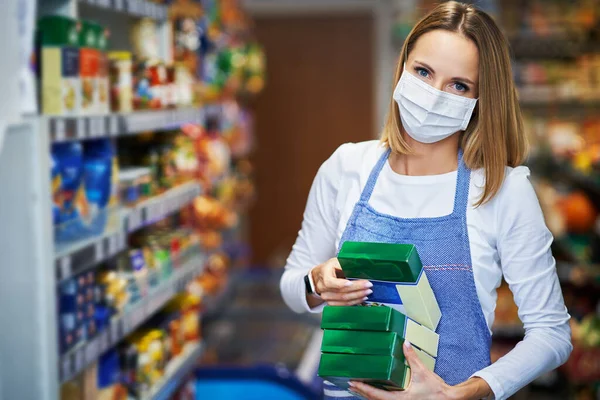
<point>424,384</point>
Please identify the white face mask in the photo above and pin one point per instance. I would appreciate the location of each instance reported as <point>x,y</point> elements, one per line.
<point>429,115</point>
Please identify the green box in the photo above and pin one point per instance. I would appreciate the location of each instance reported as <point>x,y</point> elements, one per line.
<point>397,276</point>
<point>384,372</point>
<point>370,343</point>
<point>380,261</point>
<point>382,319</point>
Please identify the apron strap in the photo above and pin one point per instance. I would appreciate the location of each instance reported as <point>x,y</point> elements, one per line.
<point>368,190</point>
<point>463,181</point>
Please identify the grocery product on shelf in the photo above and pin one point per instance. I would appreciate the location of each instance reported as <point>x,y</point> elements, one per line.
<point>68,195</point>
<point>103,73</point>
<point>58,69</point>
<point>88,70</point>
<point>121,85</point>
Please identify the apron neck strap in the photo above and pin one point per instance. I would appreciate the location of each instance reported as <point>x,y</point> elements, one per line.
<point>368,190</point>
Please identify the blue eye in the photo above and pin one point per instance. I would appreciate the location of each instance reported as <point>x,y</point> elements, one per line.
<point>422,72</point>
<point>460,87</point>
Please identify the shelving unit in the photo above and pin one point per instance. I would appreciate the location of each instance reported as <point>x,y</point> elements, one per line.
<point>32,266</point>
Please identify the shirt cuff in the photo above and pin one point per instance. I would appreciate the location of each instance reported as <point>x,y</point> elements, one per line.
<point>498,392</point>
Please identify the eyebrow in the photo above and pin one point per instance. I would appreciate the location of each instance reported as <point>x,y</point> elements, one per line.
<point>456,78</point>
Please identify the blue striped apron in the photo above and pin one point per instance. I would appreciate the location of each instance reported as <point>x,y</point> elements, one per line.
<point>443,245</point>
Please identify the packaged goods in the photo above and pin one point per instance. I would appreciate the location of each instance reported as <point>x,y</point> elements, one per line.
<point>398,278</point>
<point>58,54</point>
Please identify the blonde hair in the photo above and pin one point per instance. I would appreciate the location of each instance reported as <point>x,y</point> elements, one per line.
<point>494,138</point>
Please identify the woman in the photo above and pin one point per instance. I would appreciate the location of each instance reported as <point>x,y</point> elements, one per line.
<point>445,177</point>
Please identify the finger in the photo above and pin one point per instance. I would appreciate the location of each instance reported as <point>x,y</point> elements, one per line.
<point>370,392</point>
<point>414,362</point>
<point>352,296</point>
<point>344,285</point>
<point>333,283</point>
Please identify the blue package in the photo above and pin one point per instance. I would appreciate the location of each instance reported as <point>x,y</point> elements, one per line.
<point>108,369</point>
<point>56,187</point>
<point>97,162</point>
<point>68,162</point>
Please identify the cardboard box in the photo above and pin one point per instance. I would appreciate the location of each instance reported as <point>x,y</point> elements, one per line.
<point>58,48</point>
<point>370,343</point>
<point>383,319</point>
<point>398,278</point>
<point>384,372</point>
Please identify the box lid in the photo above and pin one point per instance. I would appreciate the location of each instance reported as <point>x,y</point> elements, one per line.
<point>363,342</point>
<point>380,261</point>
<point>365,318</point>
<point>58,31</point>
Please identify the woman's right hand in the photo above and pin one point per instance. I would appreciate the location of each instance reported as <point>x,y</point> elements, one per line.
<point>336,290</point>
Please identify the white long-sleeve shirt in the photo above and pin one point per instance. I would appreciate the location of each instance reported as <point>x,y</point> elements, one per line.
<point>508,238</point>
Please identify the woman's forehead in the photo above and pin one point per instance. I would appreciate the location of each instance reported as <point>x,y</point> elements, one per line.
<point>448,53</point>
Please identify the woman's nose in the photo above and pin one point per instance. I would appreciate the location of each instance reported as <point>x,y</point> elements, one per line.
<point>438,84</point>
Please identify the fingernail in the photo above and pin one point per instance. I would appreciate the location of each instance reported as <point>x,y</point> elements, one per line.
<point>351,383</point>
<point>368,285</point>
<point>365,299</point>
<point>407,344</point>
<point>368,292</point>
<point>349,283</point>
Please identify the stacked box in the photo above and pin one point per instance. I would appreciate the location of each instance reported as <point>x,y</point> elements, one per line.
<point>380,319</point>
<point>397,276</point>
<point>364,343</point>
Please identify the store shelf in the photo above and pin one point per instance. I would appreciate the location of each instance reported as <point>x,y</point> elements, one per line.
<point>74,259</point>
<point>176,372</point>
<point>152,210</point>
<point>63,129</point>
<point>77,258</point>
<point>136,8</point>
<point>76,360</point>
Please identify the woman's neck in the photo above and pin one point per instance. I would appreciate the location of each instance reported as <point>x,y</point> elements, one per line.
<point>427,159</point>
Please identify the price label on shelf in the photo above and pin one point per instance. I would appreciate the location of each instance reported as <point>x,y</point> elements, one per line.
<point>99,251</point>
<point>91,350</point>
<point>66,367</point>
<point>113,244</point>
<point>80,134</point>
<point>96,128</point>
<point>122,241</point>
<point>155,302</point>
<point>65,267</point>
<point>79,360</point>
<point>135,219</point>
<point>135,318</point>
<point>59,129</point>
<point>115,331</point>
<point>134,6</point>
<point>114,125</point>
<point>103,342</point>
